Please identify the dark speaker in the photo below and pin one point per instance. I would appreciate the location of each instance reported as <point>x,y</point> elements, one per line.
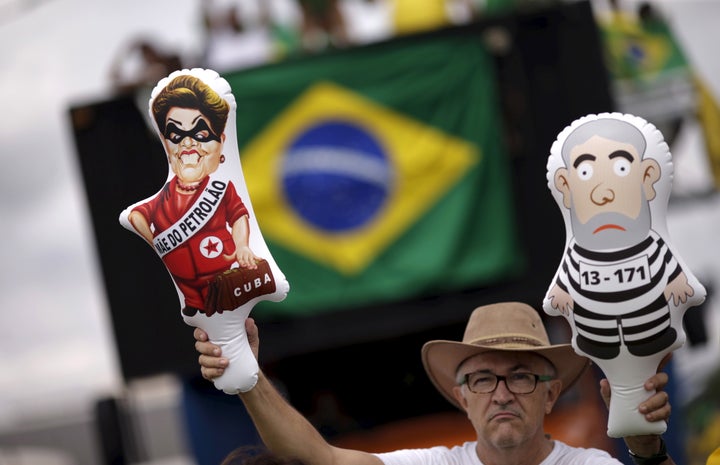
<point>122,162</point>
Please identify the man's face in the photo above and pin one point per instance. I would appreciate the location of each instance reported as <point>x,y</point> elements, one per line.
<point>193,150</point>
<point>503,419</point>
<point>608,208</point>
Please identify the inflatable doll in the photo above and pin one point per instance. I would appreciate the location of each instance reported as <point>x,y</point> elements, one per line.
<point>621,285</point>
<point>201,222</point>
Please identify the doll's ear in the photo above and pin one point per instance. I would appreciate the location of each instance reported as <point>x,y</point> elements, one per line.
<point>561,184</point>
<point>651,175</point>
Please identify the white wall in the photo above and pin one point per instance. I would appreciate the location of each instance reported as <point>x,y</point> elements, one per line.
<point>56,348</point>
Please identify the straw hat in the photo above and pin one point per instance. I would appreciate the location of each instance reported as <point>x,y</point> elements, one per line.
<point>508,326</point>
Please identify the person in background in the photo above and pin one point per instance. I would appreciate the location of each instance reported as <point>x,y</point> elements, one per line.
<point>142,64</point>
<point>416,16</point>
<point>504,374</point>
<point>322,25</point>
<point>233,39</point>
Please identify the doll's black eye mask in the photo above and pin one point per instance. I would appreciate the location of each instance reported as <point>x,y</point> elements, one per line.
<point>200,133</point>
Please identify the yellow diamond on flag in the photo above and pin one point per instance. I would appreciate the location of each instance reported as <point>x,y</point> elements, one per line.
<point>337,177</point>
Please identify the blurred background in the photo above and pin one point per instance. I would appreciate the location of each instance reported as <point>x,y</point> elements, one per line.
<point>96,366</point>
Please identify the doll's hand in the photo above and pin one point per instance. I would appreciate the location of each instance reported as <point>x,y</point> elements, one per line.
<point>560,300</point>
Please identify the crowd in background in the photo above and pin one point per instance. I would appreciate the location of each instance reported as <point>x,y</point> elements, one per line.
<point>245,33</point>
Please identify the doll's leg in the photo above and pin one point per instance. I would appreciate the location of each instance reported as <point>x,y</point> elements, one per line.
<point>596,335</point>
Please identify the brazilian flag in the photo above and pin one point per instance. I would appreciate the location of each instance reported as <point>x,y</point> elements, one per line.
<point>641,51</point>
<point>378,174</point>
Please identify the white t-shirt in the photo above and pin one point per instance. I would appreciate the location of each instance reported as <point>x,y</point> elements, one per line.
<point>562,454</point>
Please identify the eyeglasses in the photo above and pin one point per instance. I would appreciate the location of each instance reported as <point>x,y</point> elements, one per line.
<point>481,382</point>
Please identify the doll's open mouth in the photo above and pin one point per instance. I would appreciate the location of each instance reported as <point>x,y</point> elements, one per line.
<point>190,158</point>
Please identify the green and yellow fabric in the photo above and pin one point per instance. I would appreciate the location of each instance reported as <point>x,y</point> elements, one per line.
<point>378,174</point>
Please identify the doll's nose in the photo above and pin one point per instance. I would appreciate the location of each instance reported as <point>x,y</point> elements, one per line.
<point>602,195</point>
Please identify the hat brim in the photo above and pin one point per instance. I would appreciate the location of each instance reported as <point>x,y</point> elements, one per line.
<point>442,358</point>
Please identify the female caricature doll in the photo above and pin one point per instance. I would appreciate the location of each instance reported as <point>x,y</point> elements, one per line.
<point>199,224</point>
<point>620,285</point>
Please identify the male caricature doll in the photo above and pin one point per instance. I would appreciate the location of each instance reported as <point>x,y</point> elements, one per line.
<point>201,222</point>
<point>620,285</point>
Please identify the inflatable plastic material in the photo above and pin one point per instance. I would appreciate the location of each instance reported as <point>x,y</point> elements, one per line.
<point>621,285</point>
<point>201,222</point>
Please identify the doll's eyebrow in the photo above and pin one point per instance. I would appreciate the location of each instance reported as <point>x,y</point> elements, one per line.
<point>621,153</point>
<point>582,158</point>
<point>194,120</point>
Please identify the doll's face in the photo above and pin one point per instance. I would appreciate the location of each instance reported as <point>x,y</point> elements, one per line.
<point>605,176</point>
<point>609,205</point>
<point>193,150</point>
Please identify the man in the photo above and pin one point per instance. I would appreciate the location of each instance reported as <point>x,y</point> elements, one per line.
<point>504,375</point>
